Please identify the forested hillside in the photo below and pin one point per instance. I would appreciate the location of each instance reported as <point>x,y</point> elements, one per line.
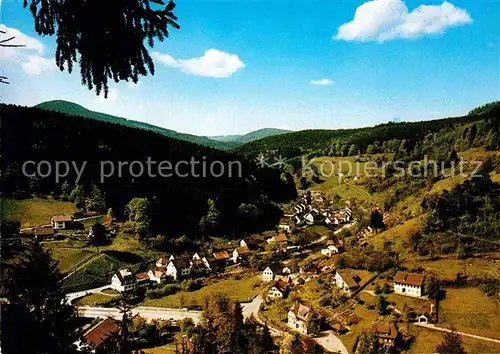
<point>74,109</point>
<point>345,142</point>
<point>176,204</point>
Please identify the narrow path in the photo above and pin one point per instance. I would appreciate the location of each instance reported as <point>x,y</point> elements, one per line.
<point>437,328</point>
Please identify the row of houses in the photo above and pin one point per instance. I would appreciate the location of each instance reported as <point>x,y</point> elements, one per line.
<point>173,268</point>
<point>49,232</point>
<point>409,284</point>
<point>313,208</point>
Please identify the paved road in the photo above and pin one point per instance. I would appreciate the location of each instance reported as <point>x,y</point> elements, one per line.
<point>331,342</point>
<point>149,313</point>
<point>73,296</point>
<point>153,312</point>
<point>431,326</point>
<point>252,308</point>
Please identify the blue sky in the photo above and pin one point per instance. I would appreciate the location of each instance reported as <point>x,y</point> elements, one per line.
<point>236,66</point>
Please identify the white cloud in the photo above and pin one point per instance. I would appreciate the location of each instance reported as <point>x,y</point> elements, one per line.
<point>29,56</point>
<point>383,20</point>
<point>322,82</point>
<point>214,63</point>
<point>30,45</point>
<point>36,65</point>
<point>112,96</point>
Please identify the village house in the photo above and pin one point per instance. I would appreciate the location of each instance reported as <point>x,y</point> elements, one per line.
<point>285,224</point>
<point>99,335</point>
<point>347,280</point>
<point>44,233</point>
<point>240,254</point>
<point>200,260</point>
<point>409,284</point>
<point>386,334</point>
<point>287,279</point>
<point>287,270</point>
<point>271,271</point>
<point>163,261</point>
<point>198,256</point>
<point>278,290</point>
<point>332,248</point>
<point>158,275</point>
<point>221,258</point>
<point>251,242</point>
<point>142,280</point>
<point>279,238</point>
<point>300,208</point>
<point>178,268</point>
<point>123,281</point>
<point>303,319</point>
<point>61,222</point>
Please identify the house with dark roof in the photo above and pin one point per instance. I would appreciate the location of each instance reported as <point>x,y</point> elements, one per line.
<point>409,284</point>
<point>386,334</point>
<point>142,280</point>
<point>123,280</point>
<point>158,275</point>
<point>279,238</point>
<point>61,222</point>
<point>44,233</point>
<point>241,254</point>
<point>179,267</point>
<point>278,290</point>
<point>251,242</point>
<point>163,261</point>
<point>303,319</point>
<point>347,280</point>
<point>271,271</point>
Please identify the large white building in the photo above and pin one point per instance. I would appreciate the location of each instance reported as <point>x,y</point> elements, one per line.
<point>302,319</point>
<point>123,280</point>
<point>346,280</point>
<point>409,284</point>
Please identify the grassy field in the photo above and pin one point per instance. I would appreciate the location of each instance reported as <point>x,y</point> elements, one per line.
<point>164,349</point>
<point>96,300</point>
<point>449,267</point>
<point>101,268</point>
<point>368,317</point>
<point>426,340</point>
<point>243,290</point>
<point>471,311</point>
<point>398,235</point>
<point>131,244</point>
<point>70,258</point>
<point>36,211</point>
<point>399,301</point>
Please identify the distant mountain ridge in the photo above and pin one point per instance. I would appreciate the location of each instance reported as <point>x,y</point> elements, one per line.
<point>223,142</point>
<point>257,134</point>
<point>71,108</point>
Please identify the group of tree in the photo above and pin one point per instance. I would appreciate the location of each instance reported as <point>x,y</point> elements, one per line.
<point>403,139</point>
<point>35,306</point>
<point>463,220</point>
<point>176,204</point>
<point>93,200</point>
<point>222,329</point>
